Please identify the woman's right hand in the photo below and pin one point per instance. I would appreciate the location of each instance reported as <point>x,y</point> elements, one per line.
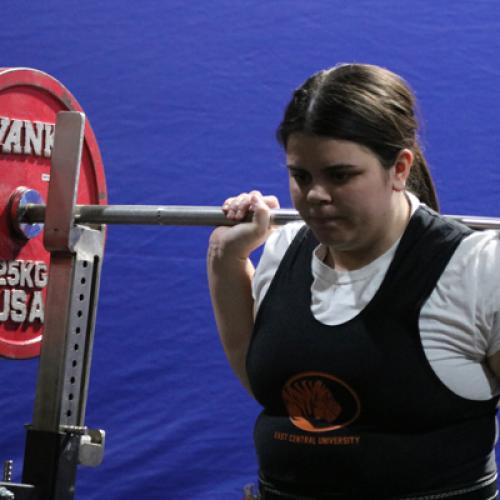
<point>240,240</point>
<point>230,273</point>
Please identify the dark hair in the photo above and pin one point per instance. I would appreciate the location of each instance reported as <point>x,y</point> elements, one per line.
<point>366,104</point>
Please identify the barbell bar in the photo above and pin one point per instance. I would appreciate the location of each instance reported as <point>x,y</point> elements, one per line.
<point>173,215</point>
<point>188,215</point>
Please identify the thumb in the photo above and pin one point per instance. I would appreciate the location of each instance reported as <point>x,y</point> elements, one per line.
<point>261,213</point>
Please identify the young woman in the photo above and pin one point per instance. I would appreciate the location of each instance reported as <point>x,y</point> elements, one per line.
<point>369,333</point>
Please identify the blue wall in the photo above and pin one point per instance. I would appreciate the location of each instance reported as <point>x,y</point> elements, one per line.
<point>184,98</point>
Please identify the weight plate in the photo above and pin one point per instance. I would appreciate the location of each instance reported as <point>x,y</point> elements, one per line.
<point>29,103</point>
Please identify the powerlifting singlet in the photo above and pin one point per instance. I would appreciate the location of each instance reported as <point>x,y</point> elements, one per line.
<point>355,410</point>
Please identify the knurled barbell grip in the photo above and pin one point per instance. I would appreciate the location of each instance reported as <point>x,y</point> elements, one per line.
<point>186,215</point>
<point>173,215</point>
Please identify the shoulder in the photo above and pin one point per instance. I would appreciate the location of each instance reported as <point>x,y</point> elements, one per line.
<point>460,316</point>
<point>479,252</point>
<point>476,261</point>
<point>281,238</point>
<point>274,250</point>
<point>277,244</point>
<point>470,285</point>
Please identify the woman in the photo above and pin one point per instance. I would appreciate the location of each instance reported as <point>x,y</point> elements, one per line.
<point>369,334</point>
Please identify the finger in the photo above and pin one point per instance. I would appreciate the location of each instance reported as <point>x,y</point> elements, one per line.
<point>243,205</point>
<point>255,197</point>
<point>261,213</point>
<point>271,201</point>
<point>237,207</point>
<point>227,203</point>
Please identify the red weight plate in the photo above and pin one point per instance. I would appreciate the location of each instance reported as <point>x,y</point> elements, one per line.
<point>29,103</point>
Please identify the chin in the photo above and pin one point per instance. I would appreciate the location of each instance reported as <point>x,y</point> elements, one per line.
<point>335,241</point>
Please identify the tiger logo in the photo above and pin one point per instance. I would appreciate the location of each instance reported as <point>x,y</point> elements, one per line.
<point>311,399</point>
<point>318,402</point>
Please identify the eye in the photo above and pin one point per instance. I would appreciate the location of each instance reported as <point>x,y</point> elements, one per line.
<point>340,176</point>
<point>300,176</point>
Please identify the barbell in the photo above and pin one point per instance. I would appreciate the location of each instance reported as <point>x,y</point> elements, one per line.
<point>30,102</point>
<point>185,215</point>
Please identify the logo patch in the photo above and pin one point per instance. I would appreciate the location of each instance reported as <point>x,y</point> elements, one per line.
<point>320,402</point>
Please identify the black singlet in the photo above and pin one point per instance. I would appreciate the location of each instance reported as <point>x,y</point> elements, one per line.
<point>356,408</point>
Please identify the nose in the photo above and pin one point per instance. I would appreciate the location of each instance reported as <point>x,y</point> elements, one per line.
<point>318,194</point>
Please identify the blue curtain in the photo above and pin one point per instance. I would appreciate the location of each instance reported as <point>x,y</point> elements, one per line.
<point>184,98</point>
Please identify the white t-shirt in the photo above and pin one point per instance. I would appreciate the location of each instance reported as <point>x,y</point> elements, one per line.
<point>459,323</point>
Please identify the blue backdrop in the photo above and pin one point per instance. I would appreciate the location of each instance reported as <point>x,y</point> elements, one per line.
<point>184,98</point>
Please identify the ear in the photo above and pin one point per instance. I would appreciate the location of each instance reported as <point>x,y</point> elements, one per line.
<point>402,168</point>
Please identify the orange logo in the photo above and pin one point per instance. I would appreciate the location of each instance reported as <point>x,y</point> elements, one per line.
<point>319,402</point>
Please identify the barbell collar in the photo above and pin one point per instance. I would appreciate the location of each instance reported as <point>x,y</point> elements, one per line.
<point>185,215</point>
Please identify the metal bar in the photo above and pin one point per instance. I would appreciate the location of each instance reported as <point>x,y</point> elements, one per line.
<point>477,222</point>
<point>64,178</point>
<point>52,449</point>
<point>60,239</point>
<point>169,215</point>
<point>185,215</point>
<point>50,464</point>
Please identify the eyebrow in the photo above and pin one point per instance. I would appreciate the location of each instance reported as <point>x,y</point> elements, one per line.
<point>336,166</point>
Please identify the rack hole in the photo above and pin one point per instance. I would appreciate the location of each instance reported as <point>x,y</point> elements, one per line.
<point>70,397</point>
<point>78,330</point>
<point>72,380</point>
<point>68,413</point>
<point>76,347</point>
<point>74,363</point>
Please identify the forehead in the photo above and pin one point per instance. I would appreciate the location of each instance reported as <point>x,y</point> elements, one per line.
<point>313,150</point>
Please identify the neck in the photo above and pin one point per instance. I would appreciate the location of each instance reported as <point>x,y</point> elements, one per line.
<point>349,260</point>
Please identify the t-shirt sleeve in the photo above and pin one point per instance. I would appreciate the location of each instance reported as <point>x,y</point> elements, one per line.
<point>274,250</point>
<point>489,288</point>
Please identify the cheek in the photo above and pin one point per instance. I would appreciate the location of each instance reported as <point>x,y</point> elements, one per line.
<point>295,192</point>
<point>374,207</point>
<point>368,195</point>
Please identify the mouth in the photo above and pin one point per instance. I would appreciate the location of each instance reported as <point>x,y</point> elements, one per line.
<point>326,223</point>
<point>325,219</point>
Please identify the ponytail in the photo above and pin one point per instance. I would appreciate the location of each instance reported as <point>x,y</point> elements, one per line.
<point>420,181</point>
